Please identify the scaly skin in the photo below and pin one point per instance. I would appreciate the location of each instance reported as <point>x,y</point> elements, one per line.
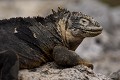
<point>31,42</point>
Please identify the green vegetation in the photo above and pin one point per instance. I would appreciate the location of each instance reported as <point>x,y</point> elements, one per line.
<point>112,3</point>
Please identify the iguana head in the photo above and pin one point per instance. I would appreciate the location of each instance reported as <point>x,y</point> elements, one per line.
<point>78,23</point>
<point>83,25</point>
<point>74,26</point>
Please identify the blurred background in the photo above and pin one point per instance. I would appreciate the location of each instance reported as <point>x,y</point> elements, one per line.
<point>104,50</point>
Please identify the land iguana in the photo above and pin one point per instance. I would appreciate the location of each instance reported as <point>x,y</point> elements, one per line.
<point>27,43</point>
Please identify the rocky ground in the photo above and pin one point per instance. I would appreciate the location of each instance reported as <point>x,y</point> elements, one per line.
<point>51,71</point>
<point>103,51</point>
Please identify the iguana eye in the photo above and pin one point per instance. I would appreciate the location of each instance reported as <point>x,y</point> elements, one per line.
<point>84,22</point>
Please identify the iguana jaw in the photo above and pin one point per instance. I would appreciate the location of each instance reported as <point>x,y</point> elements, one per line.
<point>91,31</point>
<point>68,38</point>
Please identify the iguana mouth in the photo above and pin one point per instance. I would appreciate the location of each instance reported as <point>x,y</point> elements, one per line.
<point>93,29</point>
<point>93,32</point>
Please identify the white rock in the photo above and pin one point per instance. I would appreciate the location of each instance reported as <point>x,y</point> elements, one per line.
<point>89,50</point>
<point>108,63</point>
<point>115,17</point>
<point>51,71</point>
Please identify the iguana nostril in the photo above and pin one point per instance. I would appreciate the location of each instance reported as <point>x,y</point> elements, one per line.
<point>97,24</point>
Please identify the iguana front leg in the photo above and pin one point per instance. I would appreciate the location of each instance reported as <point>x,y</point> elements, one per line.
<point>68,58</point>
<point>9,65</point>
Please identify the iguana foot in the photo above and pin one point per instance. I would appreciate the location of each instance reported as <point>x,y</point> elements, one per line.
<point>86,63</point>
<point>68,58</point>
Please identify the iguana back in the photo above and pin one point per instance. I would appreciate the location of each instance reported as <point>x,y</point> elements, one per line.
<point>32,39</point>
